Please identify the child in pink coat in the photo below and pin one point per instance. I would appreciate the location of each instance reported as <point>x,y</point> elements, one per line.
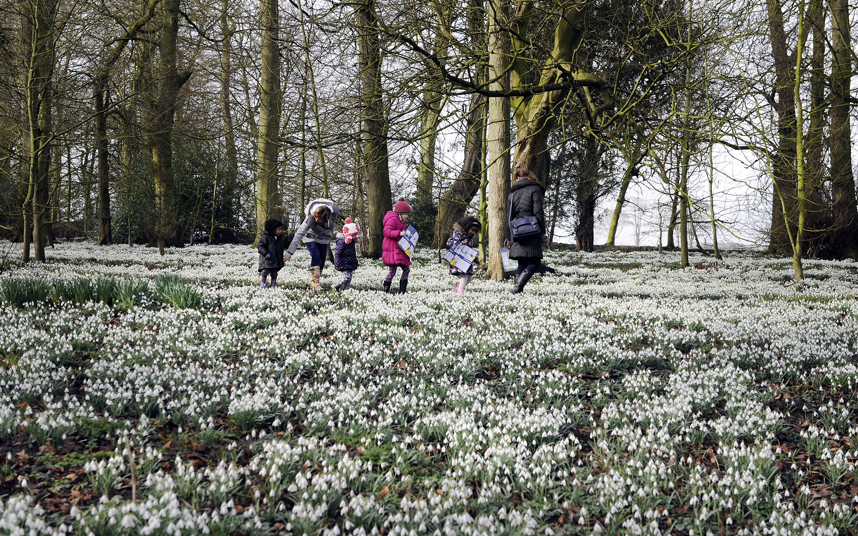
<point>391,254</point>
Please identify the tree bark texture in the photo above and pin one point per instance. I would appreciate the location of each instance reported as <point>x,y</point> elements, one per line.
<point>374,155</point>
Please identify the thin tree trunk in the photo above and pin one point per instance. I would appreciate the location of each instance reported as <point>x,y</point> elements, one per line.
<point>618,208</point>
<point>316,114</point>
<point>498,135</point>
<point>814,166</point>
<point>104,229</point>
<point>797,247</point>
<point>226,186</point>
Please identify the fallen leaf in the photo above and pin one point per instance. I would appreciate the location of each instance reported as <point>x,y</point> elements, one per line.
<point>385,491</point>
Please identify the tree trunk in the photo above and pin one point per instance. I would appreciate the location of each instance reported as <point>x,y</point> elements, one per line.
<point>374,151</point>
<point>456,199</point>
<point>267,186</point>
<point>498,135</point>
<point>99,90</point>
<point>161,121</point>
<point>536,116</point>
<point>230,173</point>
<point>454,202</point>
<point>618,208</point>
<point>814,167</point>
<point>104,230</point>
<point>585,195</point>
<point>845,239</point>
<point>433,93</point>
<point>784,158</point>
<point>38,38</point>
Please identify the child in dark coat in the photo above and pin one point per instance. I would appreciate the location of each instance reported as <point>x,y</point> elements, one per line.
<point>270,247</point>
<point>345,254</point>
<point>464,232</point>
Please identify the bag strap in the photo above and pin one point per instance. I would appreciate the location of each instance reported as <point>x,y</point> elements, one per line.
<point>509,207</point>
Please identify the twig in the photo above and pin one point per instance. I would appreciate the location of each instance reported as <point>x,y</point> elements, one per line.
<point>5,258</point>
<point>133,472</point>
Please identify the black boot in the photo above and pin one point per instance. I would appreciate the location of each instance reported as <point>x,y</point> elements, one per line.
<point>385,286</point>
<point>403,284</point>
<point>522,281</point>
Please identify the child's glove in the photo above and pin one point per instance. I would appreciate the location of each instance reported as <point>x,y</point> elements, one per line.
<point>348,240</point>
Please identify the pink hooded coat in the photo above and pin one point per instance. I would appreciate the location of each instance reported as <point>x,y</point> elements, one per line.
<point>391,253</point>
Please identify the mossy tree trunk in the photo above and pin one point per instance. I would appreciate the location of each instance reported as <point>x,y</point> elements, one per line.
<point>268,137</point>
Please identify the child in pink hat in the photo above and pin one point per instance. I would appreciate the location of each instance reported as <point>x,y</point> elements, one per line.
<point>345,253</point>
<point>391,254</point>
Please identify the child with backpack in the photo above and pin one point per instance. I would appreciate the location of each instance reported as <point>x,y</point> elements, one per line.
<point>345,254</point>
<point>316,232</point>
<point>465,232</point>
<point>270,248</point>
<point>391,254</point>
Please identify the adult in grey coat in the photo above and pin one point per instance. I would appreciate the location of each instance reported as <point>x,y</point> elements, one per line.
<point>317,231</point>
<point>526,199</point>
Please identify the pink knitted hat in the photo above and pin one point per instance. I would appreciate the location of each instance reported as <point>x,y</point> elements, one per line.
<point>401,207</point>
<point>350,229</point>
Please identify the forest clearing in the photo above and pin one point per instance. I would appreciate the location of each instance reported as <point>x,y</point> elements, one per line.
<point>151,394</point>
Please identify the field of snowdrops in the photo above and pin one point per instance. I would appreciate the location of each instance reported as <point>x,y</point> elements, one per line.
<point>142,394</point>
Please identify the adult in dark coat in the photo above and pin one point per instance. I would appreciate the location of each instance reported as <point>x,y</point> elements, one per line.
<point>526,199</point>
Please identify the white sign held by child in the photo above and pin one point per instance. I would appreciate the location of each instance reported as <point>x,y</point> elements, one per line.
<point>461,256</point>
<point>505,260</point>
<point>408,243</point>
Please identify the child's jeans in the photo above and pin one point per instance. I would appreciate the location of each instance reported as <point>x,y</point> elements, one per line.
<point>392,272</point>
<point>318,253</point>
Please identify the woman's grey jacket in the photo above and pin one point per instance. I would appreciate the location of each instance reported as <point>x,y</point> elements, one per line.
<point>312,231</point>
